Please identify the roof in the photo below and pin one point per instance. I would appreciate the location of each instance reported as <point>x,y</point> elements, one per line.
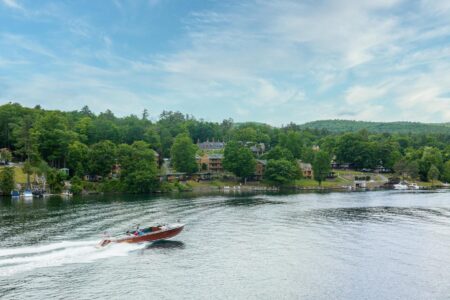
<point>211,145</point>
<point>305,165</point>
<point>262,161</point>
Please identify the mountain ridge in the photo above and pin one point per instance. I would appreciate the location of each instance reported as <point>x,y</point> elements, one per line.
<point>338,125</point>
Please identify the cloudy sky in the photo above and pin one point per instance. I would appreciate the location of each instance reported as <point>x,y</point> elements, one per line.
<point>268,61</point>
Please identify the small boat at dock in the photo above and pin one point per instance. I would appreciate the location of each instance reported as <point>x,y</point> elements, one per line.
<point>401,186</point>
<point>148,234</point>
<point>27,194</point>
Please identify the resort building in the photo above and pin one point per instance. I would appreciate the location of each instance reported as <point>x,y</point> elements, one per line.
<point>209,146</point>
<point>210,162</point>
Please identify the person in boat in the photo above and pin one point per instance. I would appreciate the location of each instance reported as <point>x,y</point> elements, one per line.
<point>136,232</point>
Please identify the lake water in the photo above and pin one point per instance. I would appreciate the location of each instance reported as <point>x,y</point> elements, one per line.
<point>368,245</point>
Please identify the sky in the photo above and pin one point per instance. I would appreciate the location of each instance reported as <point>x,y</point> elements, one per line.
<point>267,61</point>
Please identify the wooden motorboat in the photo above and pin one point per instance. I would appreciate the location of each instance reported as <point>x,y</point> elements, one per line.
<point>148,234</point>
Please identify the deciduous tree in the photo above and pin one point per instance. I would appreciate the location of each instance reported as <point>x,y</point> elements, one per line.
<point>281,171</point>
<point>183,154</point>
<point>321,166</point>
<point>7,180</point>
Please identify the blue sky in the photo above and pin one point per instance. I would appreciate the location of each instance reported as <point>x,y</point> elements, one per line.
<point>267,61</point>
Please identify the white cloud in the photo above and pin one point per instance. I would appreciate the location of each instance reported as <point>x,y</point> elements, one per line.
<point>12,3</point>
<point>25,43</point>
<point>364,94</point>
<point>286,60</point>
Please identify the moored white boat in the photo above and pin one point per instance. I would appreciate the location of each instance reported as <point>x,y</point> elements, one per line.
<point>66,194</point>
<point>413,186</point>
<point>401,186</point>
<point>27,194</point>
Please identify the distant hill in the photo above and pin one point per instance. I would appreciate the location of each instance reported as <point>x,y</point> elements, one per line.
<point>380,127</point>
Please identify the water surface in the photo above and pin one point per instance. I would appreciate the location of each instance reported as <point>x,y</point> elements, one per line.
<point>372,245</point>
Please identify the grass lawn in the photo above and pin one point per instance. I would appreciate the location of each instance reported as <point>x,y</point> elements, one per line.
<point>429,184</point>
<point>349,173</point>
<point>19,176</point>
<point>326,184</point>
<point>215,183</point>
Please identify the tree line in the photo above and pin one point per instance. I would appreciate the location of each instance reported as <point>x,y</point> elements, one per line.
<point>93,144</point>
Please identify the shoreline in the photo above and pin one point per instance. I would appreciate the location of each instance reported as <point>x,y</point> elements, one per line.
<point>250,187</point>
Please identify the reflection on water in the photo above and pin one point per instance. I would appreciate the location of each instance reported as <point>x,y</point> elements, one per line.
<point>165,245</point>
<point>253,201</point>
<point>374,245</point>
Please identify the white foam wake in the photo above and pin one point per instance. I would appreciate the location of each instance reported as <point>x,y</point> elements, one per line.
<point>18,260</point>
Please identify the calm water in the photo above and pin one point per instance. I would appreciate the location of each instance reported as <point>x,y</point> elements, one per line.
<point>374,245</point>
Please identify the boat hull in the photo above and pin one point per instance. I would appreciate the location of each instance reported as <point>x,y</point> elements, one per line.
<point>163,234</point>
<point>153,236</point>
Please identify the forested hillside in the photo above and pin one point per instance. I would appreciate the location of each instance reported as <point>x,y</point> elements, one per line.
<point>389,127</point>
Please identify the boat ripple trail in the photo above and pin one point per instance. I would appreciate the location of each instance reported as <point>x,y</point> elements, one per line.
<point>23,259</point>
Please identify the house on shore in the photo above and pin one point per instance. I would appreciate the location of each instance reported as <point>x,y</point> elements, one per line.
<point>169,174</point>
<point>306,169</point>
<point>342,166</point>
<point>258,149</point>
<point>260,169</point>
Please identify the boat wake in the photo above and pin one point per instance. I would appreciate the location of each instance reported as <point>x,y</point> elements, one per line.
<point>23,259</point>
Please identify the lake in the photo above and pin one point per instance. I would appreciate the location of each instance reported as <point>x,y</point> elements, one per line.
<point>359,245</point>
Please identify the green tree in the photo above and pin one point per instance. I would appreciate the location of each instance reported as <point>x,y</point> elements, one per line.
<point>55,180</point>
<point>354,148</point>
<point>387,153</point>
<point>431,156</point>
<point>52,132</point>
<point>239,160</point>
<point>279,152</point>
<point>446,172</point>
<point>292,141</point>
<point>10,116</point>
<point>7,180</point>
<point>321,166</point>
<point>28,170</point>
<point>84,129</point>
<point>102,157</point>
<point>77,158</point>
<point>5,155</point>
<point>413,169</point>
<point>76,185</point>
<point>405,168</point>
<point>138,167</point>
<point>151,136</point>
<point>433,173</point>
<point>281,171</point>
<point>183,154</point>
<point>247,134</point>
<point>104,128</point>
